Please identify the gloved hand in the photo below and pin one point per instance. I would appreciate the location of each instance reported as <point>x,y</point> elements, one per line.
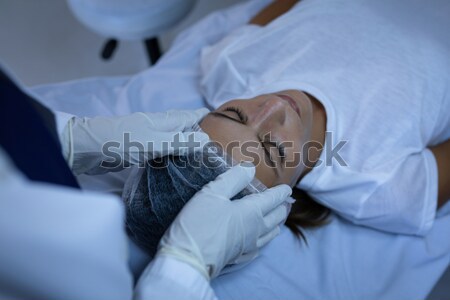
<point>103,144</point>
<point>211,231</point>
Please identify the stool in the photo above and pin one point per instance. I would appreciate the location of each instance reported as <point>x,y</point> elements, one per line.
<point>130,20</point>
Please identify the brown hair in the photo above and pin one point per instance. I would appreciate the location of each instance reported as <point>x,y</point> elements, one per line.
<point>305,213</point>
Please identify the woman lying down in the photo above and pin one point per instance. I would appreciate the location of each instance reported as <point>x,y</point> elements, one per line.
<point>345,104</point>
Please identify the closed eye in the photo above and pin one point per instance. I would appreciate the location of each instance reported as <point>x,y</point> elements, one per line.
<point>241,115</point>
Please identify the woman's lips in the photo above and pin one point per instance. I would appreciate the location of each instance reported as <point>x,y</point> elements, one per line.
<point>291,102</point>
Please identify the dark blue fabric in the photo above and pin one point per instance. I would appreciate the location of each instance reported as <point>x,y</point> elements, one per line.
<point>28,135</point>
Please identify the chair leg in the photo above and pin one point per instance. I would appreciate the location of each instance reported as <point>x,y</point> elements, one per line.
<point>153,50</point>
<point>109,48</point>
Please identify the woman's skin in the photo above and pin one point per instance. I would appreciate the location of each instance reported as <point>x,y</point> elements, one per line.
<point>442,154</point>
<point>272,131</point>
<point>272,11</point>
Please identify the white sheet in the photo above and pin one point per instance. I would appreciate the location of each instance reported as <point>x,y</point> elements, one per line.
<point>342,261</point>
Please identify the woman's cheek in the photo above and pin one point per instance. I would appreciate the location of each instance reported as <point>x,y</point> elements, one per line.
<point>268,177</point>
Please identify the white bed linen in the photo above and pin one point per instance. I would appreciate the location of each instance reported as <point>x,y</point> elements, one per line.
<point>342,261</point>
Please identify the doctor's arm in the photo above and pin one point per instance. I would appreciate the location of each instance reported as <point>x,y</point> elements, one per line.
<point>58,242</point>
<point>107,144</point>
<point>442,154</point>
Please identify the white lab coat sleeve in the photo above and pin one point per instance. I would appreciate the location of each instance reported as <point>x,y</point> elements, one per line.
<point>62,120</point>
<point>60,243</point>
<point>168,278</point>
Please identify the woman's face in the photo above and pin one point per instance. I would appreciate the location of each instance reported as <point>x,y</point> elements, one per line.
<point>268,130</point>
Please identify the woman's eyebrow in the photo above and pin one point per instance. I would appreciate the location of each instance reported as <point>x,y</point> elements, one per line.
<point>274,165</point>
<point>280,148</point>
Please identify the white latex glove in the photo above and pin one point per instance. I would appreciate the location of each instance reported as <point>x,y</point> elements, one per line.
<point>84,140</point>
<point>211,231</point>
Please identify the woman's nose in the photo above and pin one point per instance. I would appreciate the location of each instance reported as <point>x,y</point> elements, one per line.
<point>270,112</point>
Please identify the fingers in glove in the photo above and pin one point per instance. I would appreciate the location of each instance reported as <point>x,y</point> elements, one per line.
<point>266,238</point>
<point>232,181</point>
<point>181,120</point>
<point>245,257</point>
<point>275,217</point>
<point>272,198</point>
<point>187,142</point>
